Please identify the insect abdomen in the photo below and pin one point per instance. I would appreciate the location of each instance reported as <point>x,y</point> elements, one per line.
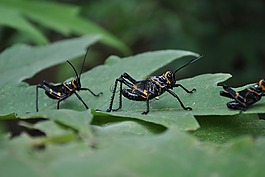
<point>53,94</point>
<point>132,95</point>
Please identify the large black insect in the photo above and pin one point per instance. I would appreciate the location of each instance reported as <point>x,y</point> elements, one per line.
<point>244,98</point>
<point>63,91</point>
<point>148,89</point>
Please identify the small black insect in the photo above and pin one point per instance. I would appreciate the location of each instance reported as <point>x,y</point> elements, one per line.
<point>244,98</point>
<point>148,89</point>
<point>62,91</point>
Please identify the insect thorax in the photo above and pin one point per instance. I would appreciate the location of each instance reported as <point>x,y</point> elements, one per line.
<point>165,80</point>
<point>71,85</point>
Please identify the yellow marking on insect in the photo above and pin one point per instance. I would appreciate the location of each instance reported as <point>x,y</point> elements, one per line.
<point>145,94</point>
<point>50,91</point>
<point>73,83</point>
<point>134,87</point>
<point>261,84</point>
<point>254,92</point>
<point>237,94</point>
<point>245,100</point>
<point>157,83</point>
<point>59,94</point>
<point>67,87</point>
<point>168,81</point>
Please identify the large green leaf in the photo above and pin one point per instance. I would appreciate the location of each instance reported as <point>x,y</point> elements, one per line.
<point>166,110</point>
<point>75,120</point>
<point>140,67</point>
<point>21,62</point>
<point>164,155</point>
<point>12,18</point>
<point>59,17</point>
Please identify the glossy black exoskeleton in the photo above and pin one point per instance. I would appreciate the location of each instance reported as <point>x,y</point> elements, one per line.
<point>63,91</point>
<point>148,89</point>
<point>244,98</point>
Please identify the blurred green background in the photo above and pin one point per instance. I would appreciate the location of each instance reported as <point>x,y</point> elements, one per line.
<point>229,34</point>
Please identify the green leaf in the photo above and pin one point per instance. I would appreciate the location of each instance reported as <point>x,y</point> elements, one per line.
<point>60,17</point>
<point>220,129</point>
<point>34,59</point>
<point>12,18</point>
<point>75,120</point>
<point>139,66</point>
<point>172,152</point>
<point>17,97</point>
<point>121,126</point>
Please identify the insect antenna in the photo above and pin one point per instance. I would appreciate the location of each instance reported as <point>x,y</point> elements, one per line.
<point>190,62</point>
<point>83,63</point>
<point>78,77</point>
<point>73,68</point>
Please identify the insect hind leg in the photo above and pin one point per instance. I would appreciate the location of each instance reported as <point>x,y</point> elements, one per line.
<point>121,80</point>
<point>113,95</point>
<point>127,76</point>
<point>236,106</point>
<point>225,94</point>
<point>179,100</point>
<point>234,95</point>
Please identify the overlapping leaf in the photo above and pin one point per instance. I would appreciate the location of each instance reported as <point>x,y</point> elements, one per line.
<point>59,17</point>
<point>102,78</point>
<point>75,120</point>
<point>169,153</point>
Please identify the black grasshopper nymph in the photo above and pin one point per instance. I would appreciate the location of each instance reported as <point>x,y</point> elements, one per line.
<point>149,88</point>
<point>244,98</point>
<point>63,91</point>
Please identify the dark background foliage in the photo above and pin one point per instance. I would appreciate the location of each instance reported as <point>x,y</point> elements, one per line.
<point>228,33</point>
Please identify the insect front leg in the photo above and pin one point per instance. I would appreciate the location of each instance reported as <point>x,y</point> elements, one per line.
<point>188,91</point>
<point>176,96</point>
<point>96,95</point>
<point>80,100</point>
